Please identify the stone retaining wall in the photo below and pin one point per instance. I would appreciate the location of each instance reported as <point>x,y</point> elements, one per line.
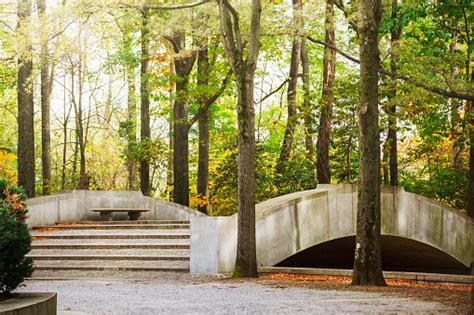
<point>75,206</point>
<point>30,304</point>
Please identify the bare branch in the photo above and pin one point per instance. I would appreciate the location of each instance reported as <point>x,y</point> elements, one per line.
<point>165,7</point>
<point>272,92</point>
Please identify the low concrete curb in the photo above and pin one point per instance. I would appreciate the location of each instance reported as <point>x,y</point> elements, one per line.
<point>429,277</point>
<point>30,304</point>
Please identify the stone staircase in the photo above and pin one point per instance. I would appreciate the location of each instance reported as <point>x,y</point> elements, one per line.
<point>145,245</point>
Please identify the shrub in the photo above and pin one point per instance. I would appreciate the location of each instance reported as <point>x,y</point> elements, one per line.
<point>15,239</point>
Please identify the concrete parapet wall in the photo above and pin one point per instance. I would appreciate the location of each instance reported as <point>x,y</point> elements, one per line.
<point>292,223</point>
<point>30,304</point>
<point>75,206</point>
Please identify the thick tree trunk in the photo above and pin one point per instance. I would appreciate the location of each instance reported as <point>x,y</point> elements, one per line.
<point>183,66</point>
<point>181,144</point>
<point>307,108</point>
<point>131,131</point>
<point>327,99</point>
<point>292,119</point>
<point>203,121</point>
<point>26,137</point>
<point>145,132</point>
<point>368,260</point>
<point>244,71</point>
<point>246,262</point>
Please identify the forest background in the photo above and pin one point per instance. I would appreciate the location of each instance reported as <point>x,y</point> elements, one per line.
<point>130,86</point>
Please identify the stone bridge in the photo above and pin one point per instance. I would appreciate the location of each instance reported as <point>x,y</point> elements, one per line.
<point>316,228</point>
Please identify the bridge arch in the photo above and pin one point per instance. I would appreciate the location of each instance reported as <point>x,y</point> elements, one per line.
<point>290,224</point>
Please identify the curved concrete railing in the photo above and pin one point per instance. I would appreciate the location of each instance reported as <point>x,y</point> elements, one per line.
<point>75,206</point>
<point>30,303</point>
<point>289,224</point>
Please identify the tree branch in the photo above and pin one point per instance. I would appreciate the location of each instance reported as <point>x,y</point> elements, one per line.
<point>211,99</point>
<point>447,93</point>
<point>165,7</point>
<point>272,92</point>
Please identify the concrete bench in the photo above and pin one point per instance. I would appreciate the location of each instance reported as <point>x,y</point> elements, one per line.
<point>106,213</point>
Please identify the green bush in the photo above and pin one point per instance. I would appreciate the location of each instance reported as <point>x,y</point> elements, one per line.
<point>15,239</point>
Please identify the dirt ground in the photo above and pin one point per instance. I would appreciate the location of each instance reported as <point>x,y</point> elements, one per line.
<point>173,293</point>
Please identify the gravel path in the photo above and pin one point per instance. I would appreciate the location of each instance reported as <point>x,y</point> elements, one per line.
<point>171,293</point>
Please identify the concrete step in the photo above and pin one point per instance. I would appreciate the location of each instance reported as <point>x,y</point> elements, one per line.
<point>144,265</point>
<point>111,268</point>
<point>128,222</point>
<point>107,257</point>
<point>110,251</point>
<point>143,241</point>
<point>45,236</point>
<point>42,232</point>
<point>45,245</point>
<point>114,227</point>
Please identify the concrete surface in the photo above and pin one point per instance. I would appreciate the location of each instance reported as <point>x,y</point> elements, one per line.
<point>29,303</point>
<point>75,205</point>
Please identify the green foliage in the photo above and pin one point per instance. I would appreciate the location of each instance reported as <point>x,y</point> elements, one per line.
<point>15,239</point>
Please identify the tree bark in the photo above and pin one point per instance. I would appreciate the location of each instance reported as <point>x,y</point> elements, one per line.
<point>26,138</point>
<point>292,119</point>
<point>81,142</point>
<point>46,85</point>
<point>244,70</point>
<point>385,162</point>
<point>392,109</point>
<point>368,260</point>
<point>183,66</point>
<point>307,108</point>
<point>327,99</point>
<point>145,132</point>
<point>131,130</point>
<point>470,201</point>
<point>203,121</point>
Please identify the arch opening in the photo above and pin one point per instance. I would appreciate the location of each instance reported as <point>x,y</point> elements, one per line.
<point>398,254</point>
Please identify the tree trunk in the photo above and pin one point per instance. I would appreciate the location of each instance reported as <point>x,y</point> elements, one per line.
<point>131,131</point>
<point>244,70</point>
<point>45,103</point>
<point>327,99</point>
<point>307,108</point>
<point>83,178</point>
<point>470,201</point>
<point>368,260</point>
<point>292,119</point>
<point>145,132</point>
<point>66,119</point>
<point>246,262</point>
<point>392,109</point>
<point>26,137</point>
<point>183,67</point>
<point>203,121</point>
<point>385,162</point>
